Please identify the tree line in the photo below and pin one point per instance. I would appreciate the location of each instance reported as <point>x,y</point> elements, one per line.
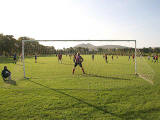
<point>9,46</point>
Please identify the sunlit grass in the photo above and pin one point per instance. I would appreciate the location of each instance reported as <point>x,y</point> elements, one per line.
<point>108,91</point>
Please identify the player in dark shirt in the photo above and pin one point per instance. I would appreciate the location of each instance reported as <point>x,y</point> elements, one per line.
<point>92,56</point>
<point>15,58</point>
<point>106,58</point>
<point>129,58</point>
<point>6,74</point>
<point>35,58</point>
<point>112,57</point>
<point>77,61</point>
<point>153,58</point>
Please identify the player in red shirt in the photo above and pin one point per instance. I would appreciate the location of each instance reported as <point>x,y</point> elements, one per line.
<point>133,57</point>
<point>77,61</point>
<point>60,58</point>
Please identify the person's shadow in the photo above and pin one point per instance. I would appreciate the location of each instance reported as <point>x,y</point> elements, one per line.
<point>106,77</point>
<point>12,82</point>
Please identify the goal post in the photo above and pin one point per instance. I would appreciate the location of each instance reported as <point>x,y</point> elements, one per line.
<point>65,41</point>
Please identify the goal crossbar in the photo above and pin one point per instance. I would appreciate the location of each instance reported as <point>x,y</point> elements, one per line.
<point>80,40</point>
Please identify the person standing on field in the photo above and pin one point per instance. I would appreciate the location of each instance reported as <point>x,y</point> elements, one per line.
<point>70,55</point>
<point>148,57</point>
<point>133,56</point>
<point>15,58</point>
<point>35,58</point>
<point>156,58</point>
<point>106,58</point>
<point>153,58</point>
<point>112,57</point>
<point>129,58</point>
<point>93,57</point>
<point>77,61</point>
<point>60,58</point>
<point>21,57</point>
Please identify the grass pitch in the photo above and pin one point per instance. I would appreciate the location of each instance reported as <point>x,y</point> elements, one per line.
<point>107,91</point>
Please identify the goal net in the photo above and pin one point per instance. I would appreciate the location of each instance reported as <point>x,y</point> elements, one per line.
<point>114,62</point>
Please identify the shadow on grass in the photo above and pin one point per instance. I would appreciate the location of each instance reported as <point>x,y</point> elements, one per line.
<point>11,82</point>
<point>104,111</point>
<point>106,77</point>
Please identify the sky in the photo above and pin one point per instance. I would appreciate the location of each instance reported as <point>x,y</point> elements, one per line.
<point>83,20</point>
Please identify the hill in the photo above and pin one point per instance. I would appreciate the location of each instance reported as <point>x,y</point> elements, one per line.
<point>93,47</point>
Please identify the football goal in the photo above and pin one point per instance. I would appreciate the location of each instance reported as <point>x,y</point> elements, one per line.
<point>112,59</point>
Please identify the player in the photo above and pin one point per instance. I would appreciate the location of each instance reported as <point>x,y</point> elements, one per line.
<point>133,56</point>
<point>106,58</point>
<point>93,57</point>
<point>6,74</point>
<point>153,58</point>
<point>117,56</point>
<point>15,58</point>
<point>77,61</point>
<point>148,57</point>
<point>112,57</point>
<point>156,58</point>
<point>70,56</point>
<point>35,58</point>
<point>129,58</point>
<point>21,58</point>
<point>60,58</point>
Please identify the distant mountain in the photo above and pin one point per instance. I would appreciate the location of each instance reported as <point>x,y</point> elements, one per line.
<point>88,45</point>
<point>112,47</point>
<point>93,47</point>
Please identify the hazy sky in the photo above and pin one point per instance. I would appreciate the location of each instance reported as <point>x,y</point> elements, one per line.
<point>83,19</point>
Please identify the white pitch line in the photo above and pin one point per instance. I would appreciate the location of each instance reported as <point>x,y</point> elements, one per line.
<point>150,81</point>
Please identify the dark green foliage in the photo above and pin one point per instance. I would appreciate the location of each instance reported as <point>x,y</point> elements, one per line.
<point>9,46</point>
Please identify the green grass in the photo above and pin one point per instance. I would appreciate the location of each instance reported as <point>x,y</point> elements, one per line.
<point>107,92</point>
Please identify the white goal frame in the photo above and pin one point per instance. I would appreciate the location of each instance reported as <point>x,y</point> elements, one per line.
<point>23,43</point>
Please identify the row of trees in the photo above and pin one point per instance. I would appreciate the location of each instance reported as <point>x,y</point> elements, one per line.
<point>9,46</point>
<point>125,51</point>
<point>150,50</point>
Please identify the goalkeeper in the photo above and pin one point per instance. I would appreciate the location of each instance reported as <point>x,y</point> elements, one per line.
<point>6,74</point>
<point>78,61</point>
